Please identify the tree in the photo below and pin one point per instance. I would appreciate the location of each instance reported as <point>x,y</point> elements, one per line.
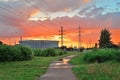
<point>119,44</point>
<point>1,42</point>
<point>105,39</point>
<point>96,45</point>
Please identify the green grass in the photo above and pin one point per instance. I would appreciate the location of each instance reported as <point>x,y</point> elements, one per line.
<point>95,71</point>
<point>109,70</point>
<point>97,55</point>
<point>26,70</point>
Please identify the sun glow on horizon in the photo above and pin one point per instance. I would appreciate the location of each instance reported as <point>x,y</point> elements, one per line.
<point>42,19</point>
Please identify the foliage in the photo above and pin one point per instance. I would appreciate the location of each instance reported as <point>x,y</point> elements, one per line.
<point>14,53</point>
<point>105,39</point>
<point>98,55</point>
<point>102,55</point>
<point>27,70</point>
<point>37,52</point>
<point>21,53</point>
<point>1,42</point>
<point>61,52</point>
<point>26,53</point>
<point>48,52</point>
<point>6,53</point>
<point>86,70</point>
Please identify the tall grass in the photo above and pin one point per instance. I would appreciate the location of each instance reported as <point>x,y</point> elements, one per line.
<point>98,64</point>
<point>102,55</point>
<point>98,55</point>
<point>95,71</point>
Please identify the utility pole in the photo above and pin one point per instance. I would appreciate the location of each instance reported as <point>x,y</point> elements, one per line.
<point>79,37</point>
<point>61,36</point>
<point>20,38</point>
<point>15,42</point>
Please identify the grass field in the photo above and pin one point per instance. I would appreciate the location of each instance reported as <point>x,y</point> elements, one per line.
<point>26,70</point>
<point>109,70</point>
<point>95,71</point>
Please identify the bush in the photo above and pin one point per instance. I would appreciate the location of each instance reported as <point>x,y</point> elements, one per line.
<point>52,52</point>
<point>101,55</point>
<point>65,52</point>
<point>62,52</point>
<point>59,52</point>
<point>49,52</point>
<point>37,52</point>
<point>14,53</point>
<point>26,53</point>
<point>6,53</point>
<point>1,43</point>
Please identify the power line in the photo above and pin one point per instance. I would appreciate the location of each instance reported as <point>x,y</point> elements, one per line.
<point>11,19</point>
<point>36,7</point>
<point>18,16</point>
<point>32,5</point>
<point>16,11</point>
<point>57,23</point>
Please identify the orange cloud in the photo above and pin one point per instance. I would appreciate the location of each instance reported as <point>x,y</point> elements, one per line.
<point>86,1</point>
<point>67,9</point>
<point>88,36</point>
<point>34,12</point>
<point>49,30</point>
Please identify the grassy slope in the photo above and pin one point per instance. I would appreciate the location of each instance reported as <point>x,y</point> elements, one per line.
<point>95,71</point>
<point>26,70</point>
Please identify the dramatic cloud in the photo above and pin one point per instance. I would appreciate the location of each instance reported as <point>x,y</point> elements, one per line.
<point>86,1</point>
<point>42,19</point>
<point>10,31</point>
<point>58,5</point>
<point>91,11</point>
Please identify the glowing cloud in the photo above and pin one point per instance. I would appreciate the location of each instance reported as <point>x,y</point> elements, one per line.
<point>34,12</point>
<point>86,1</point>
<point>20,18</point>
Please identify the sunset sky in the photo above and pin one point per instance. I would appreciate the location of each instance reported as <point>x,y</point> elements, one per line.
<point>42,19</point>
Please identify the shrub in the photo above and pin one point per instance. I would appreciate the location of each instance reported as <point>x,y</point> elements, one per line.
<point>101,55</point>
<point>5,53</point>
<point>48,52</point>
<point>37,52</point>
<point>62,52</point>
<point>26,53</point>
<point>14,53</point>
<point>59,52</point>
<point>1,43</point>
<point>65,52</point>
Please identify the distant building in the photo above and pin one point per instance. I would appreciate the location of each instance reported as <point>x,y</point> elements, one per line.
<point>39,43</point>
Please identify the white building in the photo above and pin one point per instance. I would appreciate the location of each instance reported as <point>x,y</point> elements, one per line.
<point>39,43</point>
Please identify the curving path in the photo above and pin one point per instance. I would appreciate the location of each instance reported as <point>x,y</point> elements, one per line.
<point>59,70</point>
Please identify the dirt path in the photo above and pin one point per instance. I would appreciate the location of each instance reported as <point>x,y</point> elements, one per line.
<point>59,70</point>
